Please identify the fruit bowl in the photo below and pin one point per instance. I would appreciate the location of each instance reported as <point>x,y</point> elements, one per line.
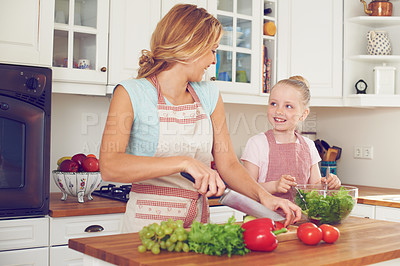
<point>77,184</point>
<point>325,207</point>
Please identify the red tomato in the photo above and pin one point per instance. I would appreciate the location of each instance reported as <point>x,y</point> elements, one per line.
<point>309,235</point>
<point>278,226</point>
<point>329,233</point>
<point>305,225</point>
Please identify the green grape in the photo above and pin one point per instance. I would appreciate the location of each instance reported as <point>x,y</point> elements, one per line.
<point>160,232</point>
<point>155,249</point>
<point>142,249</point>
<point>168,230</point>
<point>150,244</point>
<point>163,245</point>
<point>149,234</point>
<point>178,246</point>
<point>171,248</point>
<point>174,238</point>
<point>182,237</point>
<point>185,247</point>
<point>179,223</point>
<point>168,243</point>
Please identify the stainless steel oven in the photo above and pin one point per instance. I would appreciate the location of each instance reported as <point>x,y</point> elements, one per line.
<point>25,108</point>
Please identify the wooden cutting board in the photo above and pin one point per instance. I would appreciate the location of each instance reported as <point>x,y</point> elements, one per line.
<point>291,234</point>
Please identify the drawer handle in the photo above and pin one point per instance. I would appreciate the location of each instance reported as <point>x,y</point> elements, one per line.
<point>94,228</point>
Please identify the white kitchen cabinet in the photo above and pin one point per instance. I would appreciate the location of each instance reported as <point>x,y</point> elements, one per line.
<point>33,256</point>
<point>80,46</point>
<point>387,213</point>
<point>221,214</point>
<point>26,32</point>
<point>310,44</point>
<point>64,228</point>
<point>239,68</point>
<point>364,211</point>
<point>359,65</point>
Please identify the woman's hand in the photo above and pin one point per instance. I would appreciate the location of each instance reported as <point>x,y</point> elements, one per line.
<point>285,183</point>
<point>333,181</point>
<point>207,181</point>
<point>291,210</point>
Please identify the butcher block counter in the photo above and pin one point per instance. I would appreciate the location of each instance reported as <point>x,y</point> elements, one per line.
<point>99,205</point>
<point>362,241</point>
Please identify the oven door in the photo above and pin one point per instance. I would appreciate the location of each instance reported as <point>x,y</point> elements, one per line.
<point>24,183</point>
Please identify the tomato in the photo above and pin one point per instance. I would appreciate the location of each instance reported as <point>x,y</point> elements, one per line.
<point>278,226</point>
<point>309,234</point>
<point>91,155</point>
<point>329,233</point>
<point>305,225</point>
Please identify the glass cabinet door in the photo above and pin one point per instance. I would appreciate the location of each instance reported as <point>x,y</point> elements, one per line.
<point>80,40</point>
<point>237,61</point>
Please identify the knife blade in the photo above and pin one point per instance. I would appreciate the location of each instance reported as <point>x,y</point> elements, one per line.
<point>242,203</point>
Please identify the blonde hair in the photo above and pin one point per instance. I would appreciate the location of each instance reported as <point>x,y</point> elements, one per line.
<point>299,83</point>
<point>185,32</point>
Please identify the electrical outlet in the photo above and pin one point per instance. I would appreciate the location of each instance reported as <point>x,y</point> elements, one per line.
<point>367,152</point>
<point>358,152</point>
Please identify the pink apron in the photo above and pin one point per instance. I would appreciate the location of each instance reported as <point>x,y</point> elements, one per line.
<point>185,130</point>
<point>288,159</point>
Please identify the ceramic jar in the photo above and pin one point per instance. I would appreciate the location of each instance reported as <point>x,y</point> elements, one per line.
<point>378,43</point>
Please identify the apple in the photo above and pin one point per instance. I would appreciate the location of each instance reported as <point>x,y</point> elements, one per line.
<point>69,166</point>
<point>78,158</point>
<point>90,164</point>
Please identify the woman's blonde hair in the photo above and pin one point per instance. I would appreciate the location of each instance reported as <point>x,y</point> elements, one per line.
<point>185,32</point>
<point>299,83</point>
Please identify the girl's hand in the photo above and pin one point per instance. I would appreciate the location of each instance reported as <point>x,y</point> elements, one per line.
<point>291,210</point>
<point>333,181</point>
<point>285,183</point>
<point>207,181</point>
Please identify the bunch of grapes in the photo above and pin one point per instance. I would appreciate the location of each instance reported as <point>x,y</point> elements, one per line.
<point>169,235</point>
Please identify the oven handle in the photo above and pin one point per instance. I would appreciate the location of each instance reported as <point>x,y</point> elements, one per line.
<point>94,228</point>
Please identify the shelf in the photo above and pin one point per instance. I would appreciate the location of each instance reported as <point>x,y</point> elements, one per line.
<point>376,58</point>
<point>377,22</point>
<point>269,38</point>
<point>372,100</point>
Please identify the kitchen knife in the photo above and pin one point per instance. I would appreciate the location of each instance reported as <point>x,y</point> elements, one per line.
<point>243,203</point>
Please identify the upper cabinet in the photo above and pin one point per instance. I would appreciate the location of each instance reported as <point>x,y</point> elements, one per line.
<point>310,44</point>
<point>367,56</point>
<point>80,46</point>
<point>238,71</point>
<point>26,32</point>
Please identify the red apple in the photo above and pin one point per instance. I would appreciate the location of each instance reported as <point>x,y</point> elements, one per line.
<point>78,158</point>
<point>69,166</point>
<point>90,164</point>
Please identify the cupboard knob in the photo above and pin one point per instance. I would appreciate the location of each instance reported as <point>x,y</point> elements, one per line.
<point>103,69</point>
<point>94,228</point>
<point>212,78</point>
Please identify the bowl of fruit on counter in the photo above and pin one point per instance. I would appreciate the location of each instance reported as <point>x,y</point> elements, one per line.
<point>325,206</point>
<point>77,176</point>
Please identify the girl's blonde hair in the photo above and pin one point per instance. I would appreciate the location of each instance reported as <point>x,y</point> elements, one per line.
<point>299,83</point>
<point>185,32</point>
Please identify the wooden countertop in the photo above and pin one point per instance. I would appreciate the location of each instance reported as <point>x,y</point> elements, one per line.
<point>362,241</point>
<point>99,205</point>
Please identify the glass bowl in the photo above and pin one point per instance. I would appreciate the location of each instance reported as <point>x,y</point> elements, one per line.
<point>77,184</point>
<point>325,207</point>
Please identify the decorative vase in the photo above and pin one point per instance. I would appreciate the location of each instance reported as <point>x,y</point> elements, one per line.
<point>378,43</point>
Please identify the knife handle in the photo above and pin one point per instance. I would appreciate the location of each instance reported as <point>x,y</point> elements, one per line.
<point>188,177</point>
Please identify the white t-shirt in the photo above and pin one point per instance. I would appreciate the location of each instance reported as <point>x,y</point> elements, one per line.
<point>257,153</point>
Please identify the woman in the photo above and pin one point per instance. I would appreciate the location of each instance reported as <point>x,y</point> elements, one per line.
<point>167,121</point>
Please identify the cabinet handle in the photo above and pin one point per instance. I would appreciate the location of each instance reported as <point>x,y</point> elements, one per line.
<point>212,78</point>
<point>103,69</point>
<point>94,228</point>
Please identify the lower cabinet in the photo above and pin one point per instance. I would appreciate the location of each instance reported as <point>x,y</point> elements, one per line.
<point>62,229</point>
<point>376,212</point>
<point>221,214</point>
<point>363,211</point>
<point>31,256</point>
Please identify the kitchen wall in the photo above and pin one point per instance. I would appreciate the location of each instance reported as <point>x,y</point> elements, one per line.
<point>78,123</point>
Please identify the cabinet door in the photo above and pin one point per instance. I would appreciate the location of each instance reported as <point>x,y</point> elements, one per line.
<point>238,68</point>
<point>130,32</point>
<point>64,256</point>
<point>26,31</point>
<point>387,213</point>
<point>310,44</point>
<point>34,256</point>
<point>363,211</point>
<point>80,45</point>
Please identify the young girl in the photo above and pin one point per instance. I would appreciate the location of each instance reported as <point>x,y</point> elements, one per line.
<point>280,158</point>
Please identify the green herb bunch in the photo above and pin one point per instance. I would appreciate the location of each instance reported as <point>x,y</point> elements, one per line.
<point>216,239</point>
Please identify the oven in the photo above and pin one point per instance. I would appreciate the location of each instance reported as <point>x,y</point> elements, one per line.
<point>25,108</point>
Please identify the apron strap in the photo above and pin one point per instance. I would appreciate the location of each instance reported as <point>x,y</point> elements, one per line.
<point>176,192</point>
